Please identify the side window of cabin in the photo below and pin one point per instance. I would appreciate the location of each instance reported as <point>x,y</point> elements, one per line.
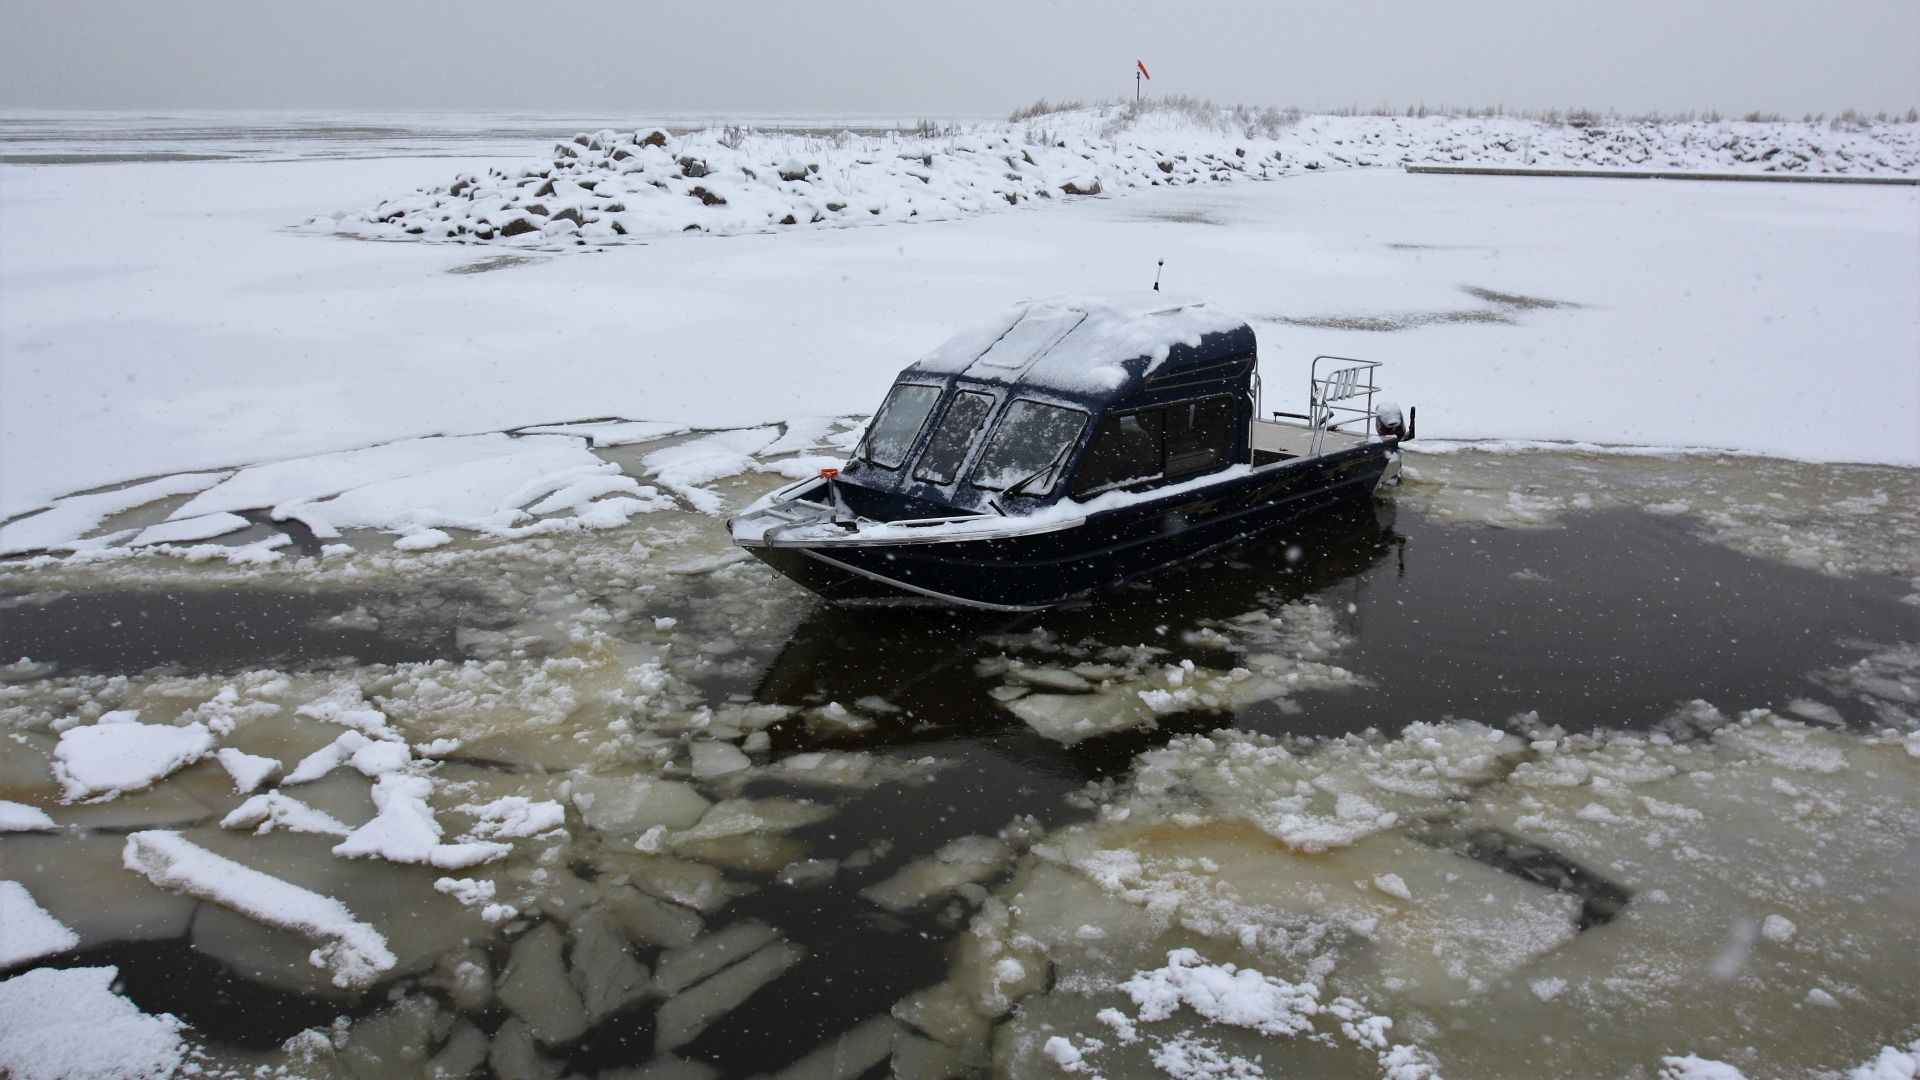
<point>1126,449</point>
<point>1168,442</point>
<point>1199,435</point>
<point>899,422</point>
<point>966,414</point>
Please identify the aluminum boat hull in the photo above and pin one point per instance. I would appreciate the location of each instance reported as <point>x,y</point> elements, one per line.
<point>1032,571</point>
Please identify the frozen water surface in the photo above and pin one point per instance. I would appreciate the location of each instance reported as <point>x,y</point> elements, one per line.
<point>1532,768</point>
<point>1577,760</point>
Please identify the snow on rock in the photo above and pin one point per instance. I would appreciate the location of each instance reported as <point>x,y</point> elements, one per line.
<point>67,1023</point>
<point>19,817</point>
<point>265,813</point>
<point>406,831</point>
<point>611,187</point>
<point>686,467</point>
<point>356,953</point>
<point>67,520</point>
<point>249,771</point>
<point>100,761</point>
<point>27,932</point>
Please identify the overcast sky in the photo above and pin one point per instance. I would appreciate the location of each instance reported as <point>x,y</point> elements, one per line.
<point>980,56</point>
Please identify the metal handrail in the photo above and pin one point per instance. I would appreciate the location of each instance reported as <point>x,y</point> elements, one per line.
<point>1340,384</point>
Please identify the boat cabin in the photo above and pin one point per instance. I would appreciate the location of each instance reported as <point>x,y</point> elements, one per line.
<point>1065,398</point>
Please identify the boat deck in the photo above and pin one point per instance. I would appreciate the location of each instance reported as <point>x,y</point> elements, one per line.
<point>1273,441</point>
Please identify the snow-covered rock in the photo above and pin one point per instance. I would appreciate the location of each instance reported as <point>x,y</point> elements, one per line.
<point>611,187</point>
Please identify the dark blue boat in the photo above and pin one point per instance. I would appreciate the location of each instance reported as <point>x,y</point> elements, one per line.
<point>1067,445</point>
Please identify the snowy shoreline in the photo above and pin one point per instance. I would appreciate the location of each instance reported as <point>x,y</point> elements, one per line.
<point>622,186</point>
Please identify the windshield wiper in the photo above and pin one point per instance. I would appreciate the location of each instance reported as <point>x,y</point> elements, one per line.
<point>1038,473</point>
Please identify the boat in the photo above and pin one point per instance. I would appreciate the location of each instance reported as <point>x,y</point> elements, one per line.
<point>1070,444</point>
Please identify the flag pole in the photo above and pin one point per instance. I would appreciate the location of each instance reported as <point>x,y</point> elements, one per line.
<point>1136,86</point>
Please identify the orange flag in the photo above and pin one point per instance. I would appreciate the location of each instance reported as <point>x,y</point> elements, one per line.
<point>1142,65</point>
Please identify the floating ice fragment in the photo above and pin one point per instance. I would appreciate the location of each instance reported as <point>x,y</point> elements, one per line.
<point>19,817</point>
<point>27,931</point>
<point>422,540</point>
<point>405,830</point>
<point>67,1023</point>
<point>471,892</point>
<point>715,759</point>
<point>513,817</point>
<point>249,771</point>
<point>108,759</point>
<point>345,705</point>
<point>1223,994</point>
<point>537,989</point>
<point>682,967</point>
<point>634,804</point>
<point>1777,928</point>
<point>273,810</point>
<point>686,1014</point>
<point>356,952</point>
<point>603,969</point>
<point>967,859</point>
<point>371,757</point>
<point>1392,885</point>
<point>1692,1067</point>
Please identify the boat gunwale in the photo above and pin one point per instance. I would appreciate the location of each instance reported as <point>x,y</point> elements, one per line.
<point>1013,530</point>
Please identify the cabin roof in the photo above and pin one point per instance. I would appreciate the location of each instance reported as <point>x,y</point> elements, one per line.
<point>1101,347</point>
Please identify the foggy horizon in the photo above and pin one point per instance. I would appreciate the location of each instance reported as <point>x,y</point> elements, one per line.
<point>858,57</point>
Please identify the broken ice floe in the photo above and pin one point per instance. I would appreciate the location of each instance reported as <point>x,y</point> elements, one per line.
<point>119,754</point>
<point>69,1022</point>
<point>30,932</point>
<point>526,484</point>
<point>1835,519</point>
<point>1319,867</point>
<point>1087,690</point>
<point>355,952</point>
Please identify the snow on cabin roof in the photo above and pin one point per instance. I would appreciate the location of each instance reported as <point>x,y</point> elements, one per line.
<point>1090,344</point>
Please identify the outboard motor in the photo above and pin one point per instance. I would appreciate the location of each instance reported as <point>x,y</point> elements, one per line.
<point>1388,422</point>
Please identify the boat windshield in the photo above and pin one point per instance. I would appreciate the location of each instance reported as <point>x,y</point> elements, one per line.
<point>898,423</point>
<point>962,423</point>
<point>1029,447</point>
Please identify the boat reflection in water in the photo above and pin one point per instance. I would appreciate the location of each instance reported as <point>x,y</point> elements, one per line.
<point>1068,445</point>
<point>923,665</point>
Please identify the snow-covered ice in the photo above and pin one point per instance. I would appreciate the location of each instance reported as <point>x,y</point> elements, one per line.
<point>29,932</point>
<point>106,759</point>
<point>356,953</point>
<point>65,1023</point>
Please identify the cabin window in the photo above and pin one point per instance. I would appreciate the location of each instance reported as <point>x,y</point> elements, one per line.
<point>966,415</point>
<point>899,422</point>
<point>1199,435</point>
<point>1125,450</point>
<point>1029,447</point>
<point>1150,444</point>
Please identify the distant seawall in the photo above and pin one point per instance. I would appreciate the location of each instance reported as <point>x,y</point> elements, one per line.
<point>1640,174</point>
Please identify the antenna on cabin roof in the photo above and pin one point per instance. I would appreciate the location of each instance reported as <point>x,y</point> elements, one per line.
<point>1156,274</point>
